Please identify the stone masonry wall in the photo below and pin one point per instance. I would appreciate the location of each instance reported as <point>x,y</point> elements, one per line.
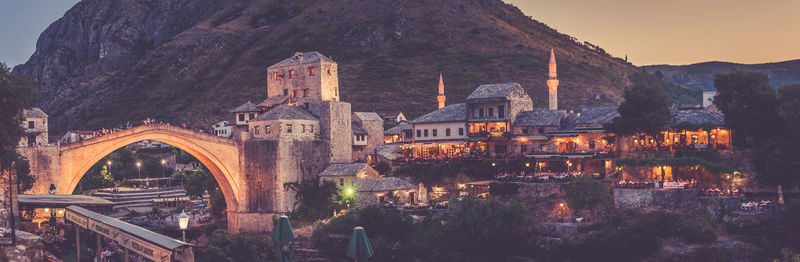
<point>44,163</point>
<point>298,161</point>
<point>335,129</point>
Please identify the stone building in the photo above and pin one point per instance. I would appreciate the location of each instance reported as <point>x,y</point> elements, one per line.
<point>343,174</point>
<point>222,129</point>
<point>372,124</point>
<point>75,136</point>
<point>392,117</point>
<point>35,125</point>
<point>401,133</point>
<point>491,109</point>
<point>305,77</point>
<point>440,134</point>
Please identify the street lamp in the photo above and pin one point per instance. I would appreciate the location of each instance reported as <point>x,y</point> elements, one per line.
<point>163,167</point>
<point>183,223</point>
<point>139,166</point>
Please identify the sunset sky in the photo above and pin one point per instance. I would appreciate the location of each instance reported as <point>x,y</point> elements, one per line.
<point>649,32</point>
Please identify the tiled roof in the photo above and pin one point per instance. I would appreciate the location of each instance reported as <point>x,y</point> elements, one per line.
<point>357,129</point>
<point>347,169</point>
<point>286,112</point>
<point>246,107</point>
<point>597,115</point>
<point>698,116</point>
<point>381,184</point>
<point>389,114</point>
<point>540,117</point>
<point>273,101</point>
<point>34,112</point>
<point>368,116</point>
<point>493,91</point>
<point>450,113</point>
<point>303,58</point>
<point>388,151</point>
<point>398,129</point>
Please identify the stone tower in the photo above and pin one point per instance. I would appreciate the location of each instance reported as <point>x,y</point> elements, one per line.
<point>441,98</point>
<point>552,83</point>
<point>304,77</point>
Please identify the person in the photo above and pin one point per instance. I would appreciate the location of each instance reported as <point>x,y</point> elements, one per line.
<point>655,183</point>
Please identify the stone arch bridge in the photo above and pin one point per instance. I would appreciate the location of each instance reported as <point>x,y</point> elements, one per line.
<point>246,171</point>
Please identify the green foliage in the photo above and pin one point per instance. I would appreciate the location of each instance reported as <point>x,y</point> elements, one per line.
<point>709,166</point>
<point>789,107</point>
<point>217,204</point>
<point>315,200</point>
<point>503,189</point>
<point>585,192</point>
<point>788,255</point>
<point>646,109</point>
<point>197,182</point>
<point>484,230</point>
<point>223,246</point>
<point>749,103</point>
<point>702,234</point>
<point>15,93</point>
<point>383,167</point>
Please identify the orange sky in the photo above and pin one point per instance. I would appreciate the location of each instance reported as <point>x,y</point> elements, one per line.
<point>678,31</point>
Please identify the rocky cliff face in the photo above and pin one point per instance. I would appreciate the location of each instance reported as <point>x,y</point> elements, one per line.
<point>110,61</point>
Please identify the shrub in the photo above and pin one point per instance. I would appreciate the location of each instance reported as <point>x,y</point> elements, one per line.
<point>587,193</point>
<point>503,189</point>
<point>697,234</point>
<point>240,247</point>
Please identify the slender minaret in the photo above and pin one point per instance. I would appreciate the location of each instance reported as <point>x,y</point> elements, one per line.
<point>552,82</point>
<point>441,96</point>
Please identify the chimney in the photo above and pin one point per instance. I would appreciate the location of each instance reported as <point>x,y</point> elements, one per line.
<point>552,83</point>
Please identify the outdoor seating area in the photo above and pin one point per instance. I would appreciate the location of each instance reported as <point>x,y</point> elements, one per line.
<point>757,206</point>
<point>541,177</point>
<point>716,192</point>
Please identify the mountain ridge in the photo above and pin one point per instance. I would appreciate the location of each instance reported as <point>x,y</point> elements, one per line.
<point>701,75</point>
<point>107,62</point>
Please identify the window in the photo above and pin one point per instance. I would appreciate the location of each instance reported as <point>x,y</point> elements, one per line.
<point>311,71</point>
<point>285,92</point>
<point>419,133</point>
<point>501,111</point>
<point>305,92</point>
<point>491,111</point>
<point>311,127</point>
<point>447,132</point>
<point>296,93</point>
<point>288,128</point>
<point>329,71</point>
<point>541,131</point>
<point>434,132</point>
<point>336,91</point>
<point>523,148</point>
<point>591,144</point>
<point>30,124</point>
<point>480,112</point>
<point>255,130</point>
<point>543,148</point>
<point>460,131</point>
<point>291,73</point>
<point>31,140</point>
<point>341,181</point>
<point>426,132</point>
<point>277,76</point>
<point>525,131</point>
<point>303,130</point>
<point>252,116</point>
<point>408,133</point>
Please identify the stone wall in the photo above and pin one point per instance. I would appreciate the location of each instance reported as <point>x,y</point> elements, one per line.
<point>8,197</point>
<point>687,199</point>
<point>322,85</point>
<point>536,191</point>
<point>29,248</point>
<point>335,129</point>
<point>44,163</point>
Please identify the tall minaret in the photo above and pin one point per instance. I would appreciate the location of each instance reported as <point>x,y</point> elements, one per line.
<point>552,82</point>
<point>441,96</point>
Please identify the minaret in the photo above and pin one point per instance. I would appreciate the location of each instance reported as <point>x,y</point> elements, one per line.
<point>441,96</point>
<point>552,82</point>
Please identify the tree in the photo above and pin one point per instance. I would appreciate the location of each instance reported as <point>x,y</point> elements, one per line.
<point>646,110</point>
<point>315,200</point>
<point>15,92</point>
<point>750,104</point>
<point>383,167</point>
<point>789,108</point>
<point>587,193</point>
<point>224,246</point>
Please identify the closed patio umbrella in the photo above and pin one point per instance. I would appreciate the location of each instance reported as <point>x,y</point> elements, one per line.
<point>283,234</point>
<point>359,248</point>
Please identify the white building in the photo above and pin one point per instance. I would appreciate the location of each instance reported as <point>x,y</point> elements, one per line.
<point>708,98</point>
<point>441,130</point>
<point>75,136</point>
<point>222,129</point>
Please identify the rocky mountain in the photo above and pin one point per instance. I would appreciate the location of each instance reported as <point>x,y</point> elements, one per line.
<point>110,61</point>
<point>701,75</point>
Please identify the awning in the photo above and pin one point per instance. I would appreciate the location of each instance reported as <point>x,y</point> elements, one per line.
<point>61,201</point>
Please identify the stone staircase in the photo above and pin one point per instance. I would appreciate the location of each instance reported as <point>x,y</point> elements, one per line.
<point>139,198</point>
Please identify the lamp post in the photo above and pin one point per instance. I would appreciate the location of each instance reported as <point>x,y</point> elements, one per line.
<point>108,164</point>
<point>183,223</point>
<point>139,166</point>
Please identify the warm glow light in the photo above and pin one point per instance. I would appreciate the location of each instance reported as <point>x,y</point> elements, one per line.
<point>163,161</point>
<point>349,191</point>
<point>138,164</point>
<point>183,220</point>
<point>494,164</point>
<point>527,164</point>
<point>61,212</point>
<point>561,204</point>
<point>108,162</point>
<point>46,210</point>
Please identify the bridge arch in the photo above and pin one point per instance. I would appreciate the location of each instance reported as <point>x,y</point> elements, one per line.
<point>218,154</point>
